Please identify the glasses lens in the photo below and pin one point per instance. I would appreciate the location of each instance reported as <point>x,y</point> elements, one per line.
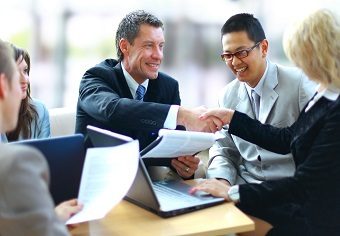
<point>226,57</point>
<point>241,54</point>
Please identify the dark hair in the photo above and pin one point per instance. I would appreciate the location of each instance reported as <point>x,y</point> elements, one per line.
<point>7,64</point>
<point>244,22</point>
<point>130,25</point>
<point>27,113</point>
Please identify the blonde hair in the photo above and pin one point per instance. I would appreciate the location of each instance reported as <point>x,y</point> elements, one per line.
<point>314,46</point>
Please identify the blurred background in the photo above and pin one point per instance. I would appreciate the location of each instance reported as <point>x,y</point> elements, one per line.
<point>66,37</point>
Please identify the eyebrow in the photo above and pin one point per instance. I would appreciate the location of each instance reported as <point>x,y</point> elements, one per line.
<point>237,49</point>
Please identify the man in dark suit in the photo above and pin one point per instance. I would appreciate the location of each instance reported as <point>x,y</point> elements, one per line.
<point>131,97</point>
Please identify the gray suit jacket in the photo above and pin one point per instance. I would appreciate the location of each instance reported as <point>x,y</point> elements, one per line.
<point>26,207</point>
<point>285,92</point>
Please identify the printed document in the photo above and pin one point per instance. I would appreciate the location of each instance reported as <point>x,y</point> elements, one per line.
<point>174,143</point>
<point>107,176</point>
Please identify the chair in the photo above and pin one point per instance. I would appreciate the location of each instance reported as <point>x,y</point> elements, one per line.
<point>62,121</point>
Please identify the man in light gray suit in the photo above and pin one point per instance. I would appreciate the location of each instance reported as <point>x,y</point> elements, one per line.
<point>26,207</point>
<point>263,90</point>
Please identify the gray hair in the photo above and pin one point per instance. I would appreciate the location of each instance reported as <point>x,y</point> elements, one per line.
<point>130,25</point>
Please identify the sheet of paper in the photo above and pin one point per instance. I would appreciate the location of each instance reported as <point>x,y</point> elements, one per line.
<point>176,143</point>
<point>107,176</point>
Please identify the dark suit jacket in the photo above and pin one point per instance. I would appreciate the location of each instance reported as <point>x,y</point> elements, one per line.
<point>314,140</point>
<point>26,207</point>
<point>105,101</point>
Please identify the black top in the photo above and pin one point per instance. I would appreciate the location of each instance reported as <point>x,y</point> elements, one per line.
<point>314,140</point>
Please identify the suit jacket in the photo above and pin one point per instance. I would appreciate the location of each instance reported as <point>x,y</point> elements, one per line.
<point>105,101</point>
<point>26,207</point>
<point>314,141</point>
<point>285,92</point>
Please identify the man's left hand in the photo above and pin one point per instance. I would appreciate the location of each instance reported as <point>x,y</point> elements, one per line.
<point>186,165</point>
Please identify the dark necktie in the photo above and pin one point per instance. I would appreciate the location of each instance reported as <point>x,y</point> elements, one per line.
<point>256,103</point>
<point>140,92</point>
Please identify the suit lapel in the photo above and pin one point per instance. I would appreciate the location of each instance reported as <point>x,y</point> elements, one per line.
<point>122,82</point>
<point>269,95</point>
<point>244,104</point>
<point>152,92</point>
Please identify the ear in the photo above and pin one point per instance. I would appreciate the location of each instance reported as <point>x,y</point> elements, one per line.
<point>124,45</point>
<point>264,47</point>
<point>3,86</point>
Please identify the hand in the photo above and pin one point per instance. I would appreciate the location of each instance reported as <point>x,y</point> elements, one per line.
<point>67,209</point>
<point>223,114</point>
<point>185,165</point>
<point>190,119</point>
<point>215,187</point>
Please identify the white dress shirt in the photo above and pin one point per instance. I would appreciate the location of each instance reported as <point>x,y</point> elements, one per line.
<point>171,119</point>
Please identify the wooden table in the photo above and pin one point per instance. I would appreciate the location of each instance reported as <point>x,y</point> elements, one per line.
<point>128,219</point>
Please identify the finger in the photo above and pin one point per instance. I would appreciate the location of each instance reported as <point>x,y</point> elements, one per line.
<point>218,123</point>
<point>212,126</point>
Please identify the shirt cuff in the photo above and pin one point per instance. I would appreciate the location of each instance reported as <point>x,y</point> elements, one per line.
<point>171,119</point>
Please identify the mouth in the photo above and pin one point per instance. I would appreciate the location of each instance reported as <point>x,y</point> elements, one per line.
<point>154,66</point>
<point>241,70</point>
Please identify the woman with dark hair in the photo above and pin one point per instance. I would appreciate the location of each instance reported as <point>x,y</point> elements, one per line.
<point>33,116</point>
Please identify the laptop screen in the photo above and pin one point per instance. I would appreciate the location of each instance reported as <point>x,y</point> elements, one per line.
<point>65,157</point>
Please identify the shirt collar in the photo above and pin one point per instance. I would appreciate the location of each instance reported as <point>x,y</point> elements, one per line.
<point>133,85</point>
<point>259,87</point>
<point>330,92</point>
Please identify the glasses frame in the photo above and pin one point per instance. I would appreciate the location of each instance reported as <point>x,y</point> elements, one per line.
<point>238,53</point>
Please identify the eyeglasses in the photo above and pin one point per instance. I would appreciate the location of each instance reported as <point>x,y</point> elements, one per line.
<point>239,54</point>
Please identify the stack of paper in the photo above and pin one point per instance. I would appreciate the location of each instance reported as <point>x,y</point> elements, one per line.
<point>107,176</point>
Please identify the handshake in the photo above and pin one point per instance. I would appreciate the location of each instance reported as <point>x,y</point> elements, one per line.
<point>204,120</point>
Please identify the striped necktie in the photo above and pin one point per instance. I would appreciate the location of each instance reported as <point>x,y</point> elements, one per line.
<point>256,103</point>
<point>140,92</point>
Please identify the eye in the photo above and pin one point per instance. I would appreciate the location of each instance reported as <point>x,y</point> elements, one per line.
<point>148,46</point>
<point>241,54</point>
<point>227,56</point>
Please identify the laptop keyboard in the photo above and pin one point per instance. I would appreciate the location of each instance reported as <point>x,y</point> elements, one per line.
<point>164,192</point>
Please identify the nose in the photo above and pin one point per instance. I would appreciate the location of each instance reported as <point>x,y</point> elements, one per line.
<point>24,78</point>
<point>235,61</point>
<point>158,53</point>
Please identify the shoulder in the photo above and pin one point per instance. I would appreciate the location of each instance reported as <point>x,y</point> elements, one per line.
<point>18,157</point>
<point>291,73</point>
<point>230,90</point>
<point>39,105</point>
<point>103,68</point>
<point>293,77</point>
<point>166,79</point>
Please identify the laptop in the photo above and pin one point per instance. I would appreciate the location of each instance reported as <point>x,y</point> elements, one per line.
<point>65,156</point>
<point>165,198</point>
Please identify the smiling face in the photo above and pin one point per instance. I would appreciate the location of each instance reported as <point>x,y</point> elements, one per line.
<point>251,68</point>
<point>143,57</point>
<point>24,78</point>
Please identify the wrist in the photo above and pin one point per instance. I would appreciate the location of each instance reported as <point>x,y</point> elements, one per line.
<point>230,115</point>
<point>233,194</point>
<point>181,116</point>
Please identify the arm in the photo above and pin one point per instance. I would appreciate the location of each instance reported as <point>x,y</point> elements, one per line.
<point>314,179</point>
<point>224,159</point>
<point>27,206</point>
<point>44,127</point>
<point>266,136</point>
